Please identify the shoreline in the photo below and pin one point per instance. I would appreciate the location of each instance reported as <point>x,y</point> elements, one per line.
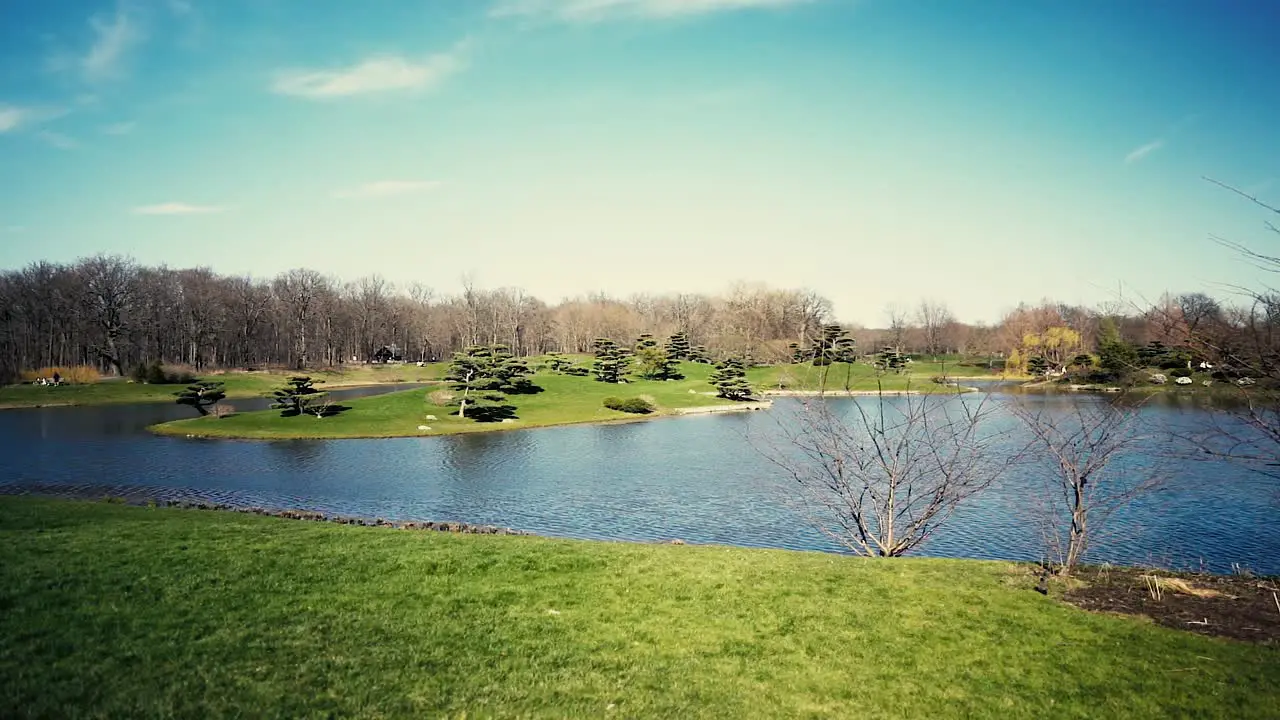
<point>72,402</point>
<point>161,430</point>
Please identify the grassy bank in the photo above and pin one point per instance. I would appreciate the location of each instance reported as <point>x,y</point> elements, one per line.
<point>238,385</point>
<point>564,400</point>
<point>135,612</point>
<point>863,377</point>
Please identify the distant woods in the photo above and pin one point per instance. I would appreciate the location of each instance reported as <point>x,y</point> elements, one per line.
<point>111,313</point>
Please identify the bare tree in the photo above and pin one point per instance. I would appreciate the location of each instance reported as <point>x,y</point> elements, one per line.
<point>1079,476</point>
<point>299,289</point>
<point>883,477</point>
<point>935,319</point>
<point>897,316</point>
<point>110,291</point>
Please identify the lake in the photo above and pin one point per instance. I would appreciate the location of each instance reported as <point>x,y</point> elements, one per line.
<point>696,478</point>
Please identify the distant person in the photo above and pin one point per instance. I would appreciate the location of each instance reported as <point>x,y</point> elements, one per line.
<point>57,378</point>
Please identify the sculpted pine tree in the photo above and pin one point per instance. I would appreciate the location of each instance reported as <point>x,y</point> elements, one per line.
<point>698,354</point>
<point>201,396</point>
<point>484,375</point>
<point>611,361</point>
<point>678,347</point>
<point>299,396</point>
<point>730,380</point>
<point>653,362</point>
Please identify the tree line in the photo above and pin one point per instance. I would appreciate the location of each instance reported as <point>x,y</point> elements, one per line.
<point>111,312</point>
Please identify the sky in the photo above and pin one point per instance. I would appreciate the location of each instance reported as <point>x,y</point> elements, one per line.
<point>878,151</point>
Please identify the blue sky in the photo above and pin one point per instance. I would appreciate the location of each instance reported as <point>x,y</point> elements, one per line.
<point>879,151</point>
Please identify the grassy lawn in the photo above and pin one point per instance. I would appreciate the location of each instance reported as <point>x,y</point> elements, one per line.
<point>860,376</point>
<point>565,399</point>
<point>238,385</point>
<point>114,611</point>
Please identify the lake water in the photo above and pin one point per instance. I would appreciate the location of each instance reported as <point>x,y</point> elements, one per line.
<point>695,478</point>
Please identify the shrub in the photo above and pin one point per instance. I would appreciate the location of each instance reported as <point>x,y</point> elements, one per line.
<point>1180,372</point>
<point>157,374</point>
<point>440,398</point>
<point>74,375</point>
<point>222,410</point>
<point>634,405</point>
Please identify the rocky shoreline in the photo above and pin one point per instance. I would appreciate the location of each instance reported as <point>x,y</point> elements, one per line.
<point>140,497</point>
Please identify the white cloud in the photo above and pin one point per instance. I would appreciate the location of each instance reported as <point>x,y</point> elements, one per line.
<point>381,73</point>
<point>113,37</point>
<point>58,140</point>
<point>120,128</point>
<point>12,117</point>
<point>594,10</point>
<point>387,188</point>
<point>175,208</point>
<point>1139,153</point>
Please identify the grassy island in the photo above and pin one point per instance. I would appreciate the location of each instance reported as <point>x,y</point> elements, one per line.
<point>238,384</point>
<point>118,611</point>
<point>563,400</point>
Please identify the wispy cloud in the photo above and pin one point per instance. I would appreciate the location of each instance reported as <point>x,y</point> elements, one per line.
<point>383,73</point>
<point>175,208</point>
<point>1142,151</point>
<point>14,117</point>
<point>11,118</point>
<point>387,188</point>
<point>58,140</point>
<point>120,128</point>
<point>595,10</point>
<point>113,37</point>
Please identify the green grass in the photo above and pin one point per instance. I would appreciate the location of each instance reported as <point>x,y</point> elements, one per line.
<point>238,385</point>
<point>861,376</point>
<point>115,611</point>
<point>565,400</point>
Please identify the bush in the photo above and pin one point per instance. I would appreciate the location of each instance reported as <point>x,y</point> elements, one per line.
<point>222,410</point>
<point>157,374</point>
<point>635,405</point>
<point>440,398</point>
<point>1180,372</point>
<point>74,375</point>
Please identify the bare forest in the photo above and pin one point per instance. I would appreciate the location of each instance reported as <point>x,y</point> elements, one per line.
<point>114,313</point>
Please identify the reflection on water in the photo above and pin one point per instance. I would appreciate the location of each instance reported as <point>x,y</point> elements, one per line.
<point>697,478</point>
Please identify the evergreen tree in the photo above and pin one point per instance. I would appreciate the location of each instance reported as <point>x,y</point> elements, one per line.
<point>1154,353</point>
<point>653,362</point>
<point>797,356</point>
<point>558,363</point>
<point>826,348</point>
<point>890,360</point>
<point>1037,366</point>
<point>611,361</point>
<point>678,346</point>
<point>297,396</point>
<point>201,396</point>
<point>730,380</point>
<point>483,375</point>
<point>698,354</point>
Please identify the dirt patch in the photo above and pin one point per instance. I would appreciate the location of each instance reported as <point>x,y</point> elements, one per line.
<point>1234,606</point>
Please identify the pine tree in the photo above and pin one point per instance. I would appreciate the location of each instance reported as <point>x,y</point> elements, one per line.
<point>824,350</point>
<point>653,362</point>
<point>797,356</point>
<point>678,346</point>
<point>891,360</point>
<point>297,396</point>
<point>483,375</point>
<point>1037,366</point>
<point>730,380</point>
<point>558,363</point>
<point>201,396</point>
<point>698,354</point>
<point>611,361</point>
